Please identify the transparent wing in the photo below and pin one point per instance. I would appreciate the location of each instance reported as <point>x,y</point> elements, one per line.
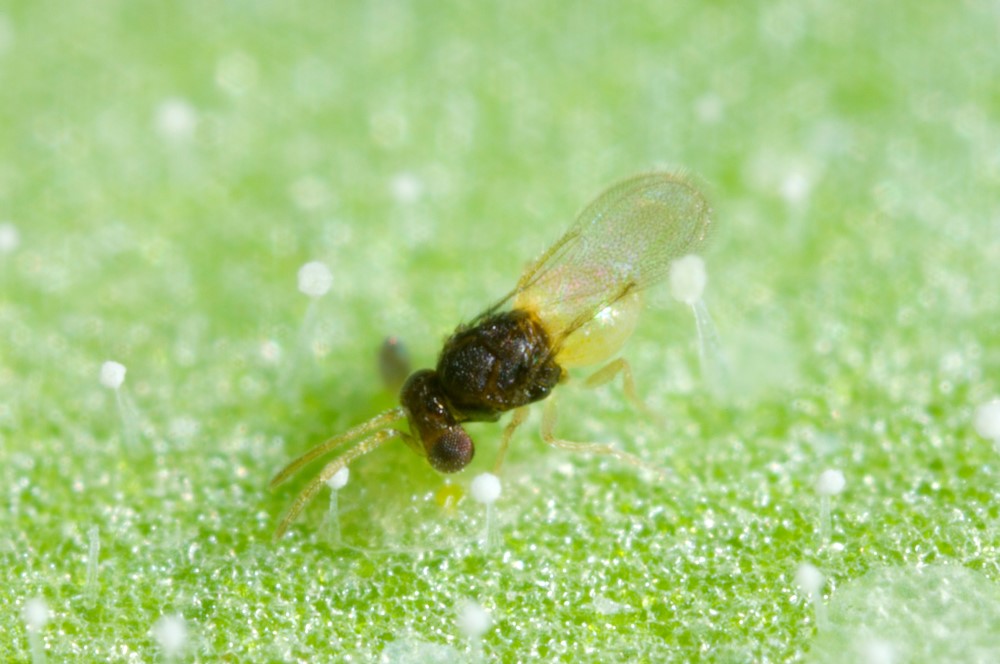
<point>621,243</point>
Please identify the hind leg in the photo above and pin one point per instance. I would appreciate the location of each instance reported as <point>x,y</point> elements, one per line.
<point>609,372</point>
<point>550,417</point>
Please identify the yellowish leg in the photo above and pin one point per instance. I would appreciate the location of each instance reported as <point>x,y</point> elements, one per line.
<point>329,470</point>
<point>520,415</point>
<point>549,419</point>
<point>609,372</point>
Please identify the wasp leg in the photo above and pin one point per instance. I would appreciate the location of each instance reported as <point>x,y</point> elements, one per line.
<point>520,415</point>
<point>549,419</point>
<point>609,372</point>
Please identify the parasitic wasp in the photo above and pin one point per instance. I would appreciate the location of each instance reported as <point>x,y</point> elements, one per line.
<point>574,306</point>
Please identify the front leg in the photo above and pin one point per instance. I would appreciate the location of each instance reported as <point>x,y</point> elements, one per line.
<point>520,415</point>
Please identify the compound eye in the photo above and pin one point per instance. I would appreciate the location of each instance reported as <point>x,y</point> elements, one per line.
<point>452,451</point>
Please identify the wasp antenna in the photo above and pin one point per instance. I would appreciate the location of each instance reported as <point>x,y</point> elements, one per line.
<point>331,469</point>
<point>377,422</point>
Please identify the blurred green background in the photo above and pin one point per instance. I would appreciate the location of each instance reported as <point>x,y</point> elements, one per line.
<point>167,167</point>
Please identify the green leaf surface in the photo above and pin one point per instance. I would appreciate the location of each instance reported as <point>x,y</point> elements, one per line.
<point>166,169</point>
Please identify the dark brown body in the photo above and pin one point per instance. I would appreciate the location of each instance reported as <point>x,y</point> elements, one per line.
<point>500,362</point>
